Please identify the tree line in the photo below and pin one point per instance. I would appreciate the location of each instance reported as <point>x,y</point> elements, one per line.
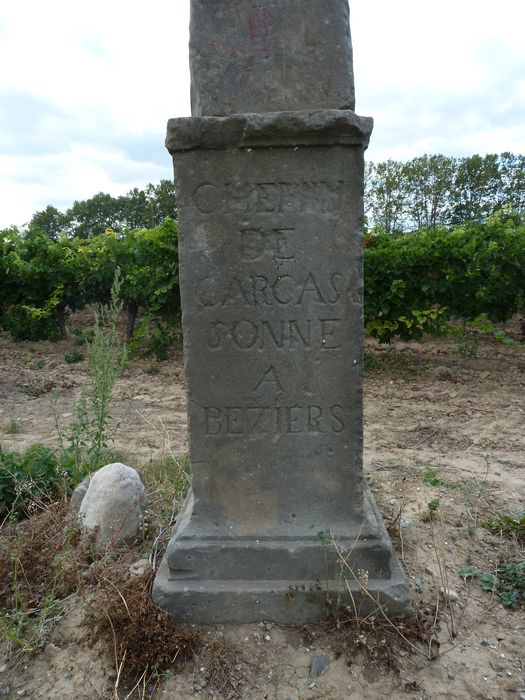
<point>139,208</point>
<point>434,191</point>
<point>464,257</point>
<point>43,279</point>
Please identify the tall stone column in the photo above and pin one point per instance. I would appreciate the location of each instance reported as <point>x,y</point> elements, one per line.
<point>269,178</point>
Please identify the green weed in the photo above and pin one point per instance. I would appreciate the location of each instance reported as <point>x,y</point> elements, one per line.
<point>508,525</point>
<point>467,345</point>
<point>507,581</point>
<point>74,357</point>
<point>37,364</point>
<point>85,440</point>
<point>31,479</point>
<point>431,478</point>
<point>390,361</point>
<point>431,513</point>
<point>14,426</point>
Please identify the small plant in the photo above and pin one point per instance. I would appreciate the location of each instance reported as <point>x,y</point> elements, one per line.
<point>390,361</point>
<point>160,340</point>
<point>467,345</point>
<point>37,364</point>
<point>508,581</point>
<point>430,477</point>
<point>153,369</point>
<point>507,525</point>
<point>431,513</point>
<point>30,479</point>
<point>14,426</point>
<point>38,387</point>
<point>86,438</point>
<point>74,357</point>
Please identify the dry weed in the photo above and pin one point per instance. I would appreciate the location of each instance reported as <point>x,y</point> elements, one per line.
<point>144,640</point>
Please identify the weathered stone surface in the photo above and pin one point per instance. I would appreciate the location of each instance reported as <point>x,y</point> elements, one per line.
<point>114,504</point>
<point>277,55</point>
<point>307,128</point>
<point>78,494</point>
<point>140,567</point>
<point>272,298</point>
<point>269,177</point>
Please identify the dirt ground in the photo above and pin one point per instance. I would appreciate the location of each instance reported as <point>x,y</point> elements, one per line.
<point>438,425</point>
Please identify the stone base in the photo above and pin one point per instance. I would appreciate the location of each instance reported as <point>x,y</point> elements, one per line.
<point>287,581</point>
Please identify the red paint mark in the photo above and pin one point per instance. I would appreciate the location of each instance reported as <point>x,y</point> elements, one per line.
<point>260,24</point>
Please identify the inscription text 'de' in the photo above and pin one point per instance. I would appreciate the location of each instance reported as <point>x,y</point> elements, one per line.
<point>308,196</point>
<point>273,420</point>
<point>254,243</point>
<point>323,333</point>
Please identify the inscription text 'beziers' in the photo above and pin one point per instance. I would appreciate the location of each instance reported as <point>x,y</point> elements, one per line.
<point>268,197</point>
<point>273,420</point>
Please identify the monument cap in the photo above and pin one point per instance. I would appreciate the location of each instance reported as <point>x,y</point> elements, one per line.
<point>277,55</point>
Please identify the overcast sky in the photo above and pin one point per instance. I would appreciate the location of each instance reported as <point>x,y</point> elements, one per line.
<point>86,88</point>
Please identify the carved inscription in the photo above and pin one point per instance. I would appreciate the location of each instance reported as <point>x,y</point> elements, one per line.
<point>243,307</point>
<point>323,333</point>
<point>252,289</point>
<point>268,197</point>
<point>273,420</point>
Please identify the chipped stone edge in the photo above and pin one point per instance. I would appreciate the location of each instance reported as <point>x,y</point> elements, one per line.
<point>322,127</point>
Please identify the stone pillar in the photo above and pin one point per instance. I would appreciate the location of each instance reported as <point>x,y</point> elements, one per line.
<point>270,225</point>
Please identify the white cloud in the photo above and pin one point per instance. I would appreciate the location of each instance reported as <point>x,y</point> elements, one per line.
<point>89,88</point>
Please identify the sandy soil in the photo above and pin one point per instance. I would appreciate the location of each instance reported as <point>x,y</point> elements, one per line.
<point>425,407</point>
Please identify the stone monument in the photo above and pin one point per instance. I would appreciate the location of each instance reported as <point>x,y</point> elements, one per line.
<point>269,178</point>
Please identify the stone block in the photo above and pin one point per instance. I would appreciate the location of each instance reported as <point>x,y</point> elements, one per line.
<point>277,55</point>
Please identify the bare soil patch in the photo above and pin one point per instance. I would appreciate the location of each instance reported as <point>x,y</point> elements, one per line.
<point>439,427</point>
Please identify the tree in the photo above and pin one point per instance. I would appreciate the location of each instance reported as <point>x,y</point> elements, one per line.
<point>50,221</point>
<point>388,196</point>
<point>512,173</point>
<point>93,216</point>
<point>429,183</point>
<point>477,185</point>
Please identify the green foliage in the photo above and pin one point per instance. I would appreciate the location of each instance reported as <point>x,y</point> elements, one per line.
<point>91,217</point>
<point>30,479</point>
<point>431,478</point>
<point>509,525</point>
<point>508,581</point>
<point>415,283</point>
<point>43,277</point>
<point>73,357</point>
<point>160,340</point>
<point>85,440</point>
<point>14,426</point>
<point>433,507</point>
<point>440,191</point>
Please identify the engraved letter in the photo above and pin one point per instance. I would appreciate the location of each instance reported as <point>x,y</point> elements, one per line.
<point>314,413</point>
<point>310,285</point>
<point>328,342</point>
<point>282,244</point>
<point>206,198</point>
<point>214,335</point>
<point>337,423</point>
<point>233,415</point>
<point>270,377</point>
<point>212,420</point>
<point>252,243</point>
<point>245,334</point>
